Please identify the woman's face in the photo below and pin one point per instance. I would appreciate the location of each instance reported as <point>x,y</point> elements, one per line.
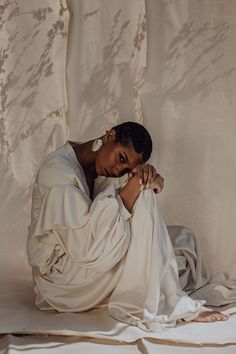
<point>114,160</point>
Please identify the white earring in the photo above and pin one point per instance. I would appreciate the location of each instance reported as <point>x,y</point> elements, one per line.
<point>97,143</point>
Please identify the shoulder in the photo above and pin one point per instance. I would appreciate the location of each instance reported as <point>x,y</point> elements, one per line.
<point>56,169</point>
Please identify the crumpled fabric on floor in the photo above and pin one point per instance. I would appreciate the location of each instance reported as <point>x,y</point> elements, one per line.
<point>194,275</point>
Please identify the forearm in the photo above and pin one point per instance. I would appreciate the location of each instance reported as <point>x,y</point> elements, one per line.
<point>130,192</point>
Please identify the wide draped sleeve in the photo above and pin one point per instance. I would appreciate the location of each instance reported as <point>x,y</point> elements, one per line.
<point>63,207</point>
<point>95,234</point>
<point>60,199</point>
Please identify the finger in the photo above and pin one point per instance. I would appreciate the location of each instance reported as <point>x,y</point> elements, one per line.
<point>158,184</point>
<point>159,177</point>
<point>157,190</point>
<point>145,175</point>
<point>151,176</point>
<point>141,188</point>
<point>154,171</point>
<point>141,175</point>
<point>133,173</point>
<point>162,182</point>
<point>136,169</point>
<point>162,185</point>
<point>151,171</point>
<point>159,180</point>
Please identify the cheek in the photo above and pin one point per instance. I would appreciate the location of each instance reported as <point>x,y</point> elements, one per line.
<point>111,161</point>
<point>108,158</point>
<point>101,159</point>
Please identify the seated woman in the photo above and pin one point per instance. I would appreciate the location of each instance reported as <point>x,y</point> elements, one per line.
<point>110,249</point>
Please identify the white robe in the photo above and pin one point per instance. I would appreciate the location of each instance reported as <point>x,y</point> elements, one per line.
<point>87,253</point>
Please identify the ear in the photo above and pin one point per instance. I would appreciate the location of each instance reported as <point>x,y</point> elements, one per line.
<point>110,135</point>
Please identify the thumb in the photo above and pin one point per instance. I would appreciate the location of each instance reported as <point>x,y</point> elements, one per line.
<point>134,170</point>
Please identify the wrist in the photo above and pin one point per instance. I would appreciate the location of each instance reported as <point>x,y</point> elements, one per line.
<point>130,192</point>
<point>134,181</point>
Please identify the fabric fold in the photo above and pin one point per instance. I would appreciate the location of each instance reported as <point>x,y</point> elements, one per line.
<point>193,270</point>
<point>148,293</point>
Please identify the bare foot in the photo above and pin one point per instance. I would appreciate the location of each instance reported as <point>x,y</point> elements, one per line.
<point>209,315</point>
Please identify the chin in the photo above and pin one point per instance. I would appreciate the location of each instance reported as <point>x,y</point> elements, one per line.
<point>100,173</point>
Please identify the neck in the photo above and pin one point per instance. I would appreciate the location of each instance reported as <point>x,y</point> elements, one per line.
<point>86,157</point>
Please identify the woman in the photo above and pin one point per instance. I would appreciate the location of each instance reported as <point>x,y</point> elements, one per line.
<point>110,247</point>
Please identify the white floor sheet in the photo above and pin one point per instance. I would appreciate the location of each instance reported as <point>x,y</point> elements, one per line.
<point>13,344</point>
<point>19,316</point>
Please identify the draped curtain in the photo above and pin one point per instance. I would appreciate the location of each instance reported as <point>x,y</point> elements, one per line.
<point>71,70</point>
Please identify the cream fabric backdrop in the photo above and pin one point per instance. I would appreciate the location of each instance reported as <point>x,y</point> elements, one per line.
<point>179,80</point>
<point>188,103</point>
<point>33,39</point>
<point>167,63</point>
<point>105,64</point>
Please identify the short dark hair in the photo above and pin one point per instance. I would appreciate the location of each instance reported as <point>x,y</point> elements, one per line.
<point>138,135</point>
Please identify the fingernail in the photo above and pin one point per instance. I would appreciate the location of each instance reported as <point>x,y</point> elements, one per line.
<point>147,185</point>
<point>140,181</point>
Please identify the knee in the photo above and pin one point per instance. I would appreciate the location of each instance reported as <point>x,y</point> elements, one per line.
<point>146,202</point>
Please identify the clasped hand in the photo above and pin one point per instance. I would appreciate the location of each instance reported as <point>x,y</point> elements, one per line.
<point>148,177</point>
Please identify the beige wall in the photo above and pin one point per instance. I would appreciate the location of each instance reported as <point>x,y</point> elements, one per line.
<point>178,77</point>
<point>189,104</point>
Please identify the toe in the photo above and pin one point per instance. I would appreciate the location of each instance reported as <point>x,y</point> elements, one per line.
<point>214,318</point>
<point>210,318</point>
